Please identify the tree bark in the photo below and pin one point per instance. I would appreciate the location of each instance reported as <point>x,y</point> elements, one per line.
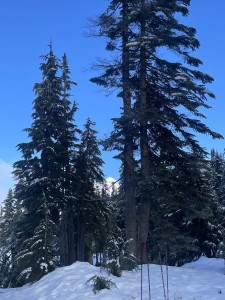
<point>143,226</point>
<point>67,238</point>
<point>128,167</point>
<point>63,241</point>
<point>71,238</point>
<point>80,240</point>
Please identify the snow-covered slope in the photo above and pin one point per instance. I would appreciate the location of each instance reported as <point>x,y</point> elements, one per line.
<point>203,279</point>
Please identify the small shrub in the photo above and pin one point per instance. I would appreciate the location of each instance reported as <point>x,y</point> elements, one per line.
<point>113,267</point>
<point>129,262</point>
<point>99,283</point>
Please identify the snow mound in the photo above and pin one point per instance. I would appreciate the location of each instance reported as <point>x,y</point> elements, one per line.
<point>214,265</point>
<point>202,279</point>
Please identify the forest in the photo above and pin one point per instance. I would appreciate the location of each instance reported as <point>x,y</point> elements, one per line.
<point>168,206</point>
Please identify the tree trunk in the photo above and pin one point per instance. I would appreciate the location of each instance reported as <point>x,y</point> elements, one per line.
<point>80,239</point>
<point>67,238</point>
<point>128,167</point>
<point>144,148</point>
<point>63,241</point>
<point>71,238</point>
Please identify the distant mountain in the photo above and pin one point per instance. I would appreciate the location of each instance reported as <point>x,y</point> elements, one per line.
<point>111,185</point>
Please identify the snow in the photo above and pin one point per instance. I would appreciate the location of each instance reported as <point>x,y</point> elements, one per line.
<point>203,279</point>
<point>134,13</point>
<point>177,94</point>
<point>36,180</point>
<point>181,78</point>
<point>182,5</point>
<point>111,185</point>
<point>131,44</point>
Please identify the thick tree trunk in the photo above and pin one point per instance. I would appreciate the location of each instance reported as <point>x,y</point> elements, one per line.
<point>80,241</point>
<point>143,226</point>
<point>63,241</point>
<point>67,239</point>
<point>128,164</point>
<point>71,238</point>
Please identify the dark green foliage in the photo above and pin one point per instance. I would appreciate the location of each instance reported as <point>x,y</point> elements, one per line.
<point>127,260</point>
<point>89,161</point>
<point>114,268</point>
<point>114,239</point>
<point>69,141</point>
<point>218,175</point>
<point>38,255</point>
<point>109,237</point>
<point>44,175</point>
<point>218,181</point>
<point>162,99</point>
<point>90,210</point>
<point>188,220</point>
<point>171,197</point>
<point>56,179</point>
<point>100,283</point>
<point>117,251</point>
<point>10,214</point>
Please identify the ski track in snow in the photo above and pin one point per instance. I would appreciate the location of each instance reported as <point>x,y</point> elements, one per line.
<point>203,279</point>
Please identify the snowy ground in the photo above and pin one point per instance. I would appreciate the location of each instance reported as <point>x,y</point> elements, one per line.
<point>203,279</point>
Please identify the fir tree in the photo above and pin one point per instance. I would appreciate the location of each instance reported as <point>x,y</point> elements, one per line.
<point>217,165</point>
<point>165,99</point>
<point>218,170</point>
<point>42,245</point>
<point>42,174</point>
<point>89,210</point>
<point>69,139</point>
<point>9,214</point>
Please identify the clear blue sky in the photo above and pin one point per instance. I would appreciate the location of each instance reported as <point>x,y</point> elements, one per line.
<point>27,26</point>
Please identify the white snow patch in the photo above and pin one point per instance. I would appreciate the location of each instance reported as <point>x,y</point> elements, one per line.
<point>180,78</point>
<point>131,44</point>
<point>182,5</point>
<point>111,184</point>
<point>203,279</point>
<point>176,94</point>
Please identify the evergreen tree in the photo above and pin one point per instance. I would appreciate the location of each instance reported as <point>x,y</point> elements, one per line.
<point>114,24</point>
<point>192,231</point>
<point>42,245</point>
<point>42,177</point>
<point>165,99</point>
<point>218,172</point>
<point>69,139</point>
<point>9,215</point>
<point>217,164</point>
<point>89,210</point>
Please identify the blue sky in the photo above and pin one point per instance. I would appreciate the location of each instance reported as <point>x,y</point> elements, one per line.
<point>26,27</point>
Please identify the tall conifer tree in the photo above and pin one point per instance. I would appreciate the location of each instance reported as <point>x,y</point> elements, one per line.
<point>89,210</point>
<point>9,214</point>
<point>68,138</point>
<point>42,177</point>
<point>166,95</point>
